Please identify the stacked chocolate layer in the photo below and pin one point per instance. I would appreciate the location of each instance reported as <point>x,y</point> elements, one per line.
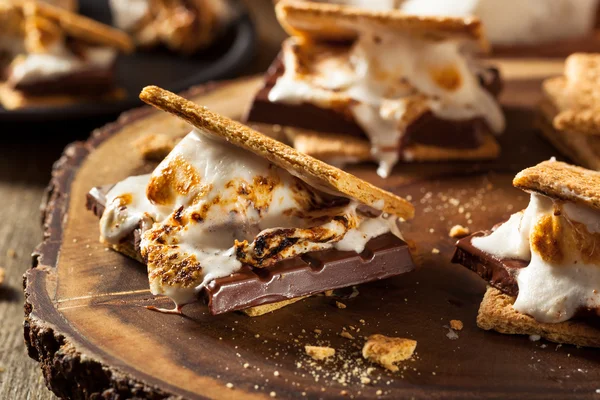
<point>426,130</point>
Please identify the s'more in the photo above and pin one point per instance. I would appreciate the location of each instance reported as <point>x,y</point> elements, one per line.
<point>50,56</point>
<point>543,264</point>
<point>354,84</point>
<point>183,26</point>
<point>569,112</point>
<point>247,223</point>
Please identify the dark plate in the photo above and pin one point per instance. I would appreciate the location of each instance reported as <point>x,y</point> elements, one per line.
<point>159,67</point>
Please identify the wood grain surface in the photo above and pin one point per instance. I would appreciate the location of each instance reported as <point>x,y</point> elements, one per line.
<point>27,152</point>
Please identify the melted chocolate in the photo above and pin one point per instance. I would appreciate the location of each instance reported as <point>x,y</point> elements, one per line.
<point>90,82</point>
<point>498,273</point>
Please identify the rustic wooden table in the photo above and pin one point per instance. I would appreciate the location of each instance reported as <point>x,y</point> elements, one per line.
<point>27,152</point>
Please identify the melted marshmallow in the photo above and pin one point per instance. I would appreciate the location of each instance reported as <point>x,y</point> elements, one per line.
<point>37,67</point>
<point>385,69</point>
<point>516,21</point>
<point>127,14</point>
<point>549,293</point>
<point>190,208</point>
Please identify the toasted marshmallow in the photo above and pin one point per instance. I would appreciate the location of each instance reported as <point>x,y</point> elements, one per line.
<point>211,207</point>
<point>388,77</point>
<point>128,14</point>
<point>561,241</point>
<point>35,67</point>
<point>511,22</point>
<point>182,25</point>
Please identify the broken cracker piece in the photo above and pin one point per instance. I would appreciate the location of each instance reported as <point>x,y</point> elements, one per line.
<point>496,312</point>
<point>456,324</point>
<point>386,351</point>
<point>340,305</point>
<point>2,273</point>
<point>319,353</point>
<point>263,309</point>
<point>347,335</point>
<point>459,231</point>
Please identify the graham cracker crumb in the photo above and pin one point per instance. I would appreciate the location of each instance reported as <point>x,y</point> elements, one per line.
<point>456,324</point>
<point>459,231</point>
<point>347,335</point>
<point>319,352</point>
<point>386,351</point>
<point>11,253</point>
<point>328,293</point>
<point>435,251</point>
<point>340,305</point>
<point>2,273</point>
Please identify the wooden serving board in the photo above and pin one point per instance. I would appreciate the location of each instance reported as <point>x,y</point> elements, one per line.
<point>86,325</point>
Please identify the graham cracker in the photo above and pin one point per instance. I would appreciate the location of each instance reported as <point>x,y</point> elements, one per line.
<point>583,69</point>
<point>333,147</point>
<point>488,150</point>
<point>386,351</point>
<point>80,27</point>
<point>12,99</point>
<point>267,308</point>
<point>337,22</point>
<point>576,95</point>
<point>562,181</point>
<point>71,5</point>
<point>586,121</point>
<point>11,20</point>
<point>129,250</point>
<point>496,313</point>
<point>307,168</point>
<point>583,149</point>
<point>330,146</point>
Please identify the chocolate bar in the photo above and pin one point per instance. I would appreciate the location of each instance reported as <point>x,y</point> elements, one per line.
<point>426,130</point>
<point>384,256</point>
<point>501,273</point>
<point>93,81</point>
<point>498,273</point>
